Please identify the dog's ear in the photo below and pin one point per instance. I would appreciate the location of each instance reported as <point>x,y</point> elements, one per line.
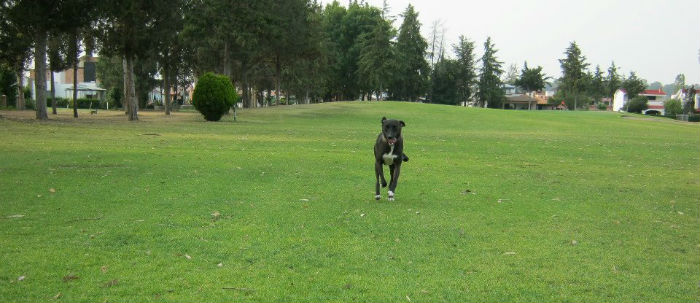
<point>402,124</point>
<point>383,118</point>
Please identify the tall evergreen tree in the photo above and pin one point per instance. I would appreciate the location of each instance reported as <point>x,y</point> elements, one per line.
<point>444,82</point>
<point>411,74</point>
<point>612,80</point>
<point>332,50</point>
<point>573,73</point>
<point>490,92</point>
<point>466,69</point>
<point>376,55</point>
<point>597,86</point>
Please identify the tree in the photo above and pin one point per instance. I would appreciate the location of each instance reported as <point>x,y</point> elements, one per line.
<point>376,53</point>
<point>689,105</point>
<point>612,80</point>
<point>531,79</point>
<point>637,104</point>
<point>288,32</point>
<point>573,73</point>
<point>634,85</point>
<point>73,27</point>
<point>673,107</point>
<point>168,45</point>
<point>444,88</point>
<point>15,47</point>
<point>411,73</point>
<point>466,69</point>
<point>511,75</point>
<point>679,83</point>
<point>490,92</point>
<point>126,28</point>
<point>596,87</point>
<point>332,50</point>
<point>7,83</point>
<point>34,19</point>
<point>57,52</point>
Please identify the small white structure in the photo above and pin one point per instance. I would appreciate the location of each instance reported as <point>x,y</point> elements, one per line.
<point>619,99</point>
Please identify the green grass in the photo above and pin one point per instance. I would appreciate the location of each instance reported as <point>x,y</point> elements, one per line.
<point>493,206</point>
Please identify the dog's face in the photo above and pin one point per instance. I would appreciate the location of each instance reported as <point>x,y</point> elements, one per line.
<point>392,129</point>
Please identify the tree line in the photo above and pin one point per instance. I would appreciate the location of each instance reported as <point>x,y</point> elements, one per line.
<point>293,47</point>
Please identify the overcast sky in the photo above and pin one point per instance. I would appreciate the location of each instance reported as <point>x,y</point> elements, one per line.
<point>656,39</point>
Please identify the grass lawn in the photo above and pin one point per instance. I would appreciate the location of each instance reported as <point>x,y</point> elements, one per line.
<point>493,206</point>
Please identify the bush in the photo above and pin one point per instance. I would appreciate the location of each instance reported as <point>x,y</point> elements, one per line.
<point>602,106</point>
<point>694,118</point>
<point>60,102</point>
<point>673,107</point>
<point>85,103</point>
<point>637,104</point>
<point>213,96</point>
<point>29,103</point>
<point>114,97</point>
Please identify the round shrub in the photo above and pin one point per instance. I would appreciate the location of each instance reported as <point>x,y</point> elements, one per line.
<point>637,104</point>
<point>673,107</point>
<point>213,96</point>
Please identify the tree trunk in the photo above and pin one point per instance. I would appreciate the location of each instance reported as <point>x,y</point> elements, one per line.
<point>40,74</point>
<point>125,92</point>
<point>269,94</point>
<point>75,73</point>
<point>278,75</point>
<point>166,90</point>
<point>226,63</point>
<point>129,86</point>
<point>53,94</point>
<point>247,102</point>
<point>20,89</point>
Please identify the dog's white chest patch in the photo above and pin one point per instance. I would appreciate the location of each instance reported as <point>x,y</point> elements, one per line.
<point>389,157</point>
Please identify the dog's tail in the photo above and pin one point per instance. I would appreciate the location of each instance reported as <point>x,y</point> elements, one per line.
<point>404,157</point>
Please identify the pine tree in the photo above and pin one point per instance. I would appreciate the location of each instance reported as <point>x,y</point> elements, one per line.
<point>612,81</point>
<point>597,86</point>
<point>574,73</point>
<point>466,69</point>
<point>411,75</point>
<point>490,92</point>
<point>376,53</point>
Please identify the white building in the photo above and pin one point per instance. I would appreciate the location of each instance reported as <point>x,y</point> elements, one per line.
<point>619,99</point>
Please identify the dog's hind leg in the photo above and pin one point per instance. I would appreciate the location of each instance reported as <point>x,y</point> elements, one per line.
<point>404,157</point>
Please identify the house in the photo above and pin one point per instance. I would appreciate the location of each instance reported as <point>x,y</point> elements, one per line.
<point>655,101</point>
<point>682,94</point>
<point>619,99</point>
<point>520,102</point>
<point>88,86</point>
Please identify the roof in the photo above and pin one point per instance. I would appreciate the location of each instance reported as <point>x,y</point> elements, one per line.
<point>654,92</point>
<point>520,98</point>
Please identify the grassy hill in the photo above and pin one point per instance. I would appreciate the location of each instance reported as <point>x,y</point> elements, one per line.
<point>493,206</point>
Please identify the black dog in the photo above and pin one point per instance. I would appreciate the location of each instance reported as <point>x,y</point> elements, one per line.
<point>388,150</point>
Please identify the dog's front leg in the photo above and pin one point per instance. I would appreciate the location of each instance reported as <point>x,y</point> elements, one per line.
<point>396,169</point>
<point>379,173</point>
